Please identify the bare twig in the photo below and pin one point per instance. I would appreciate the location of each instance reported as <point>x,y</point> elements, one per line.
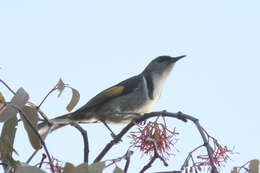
<point>155,156</point>
<point>53,89</point>
<point>85,140</point>
<point>43,158</point>
<point>243,167</point>
<point>31,157</point>
<point>206,144</point>
<point>126,156</point>
<point>190,157</point>
<point>7,87</point>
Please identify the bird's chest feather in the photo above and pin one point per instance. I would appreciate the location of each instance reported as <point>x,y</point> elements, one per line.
<point>156,93</point>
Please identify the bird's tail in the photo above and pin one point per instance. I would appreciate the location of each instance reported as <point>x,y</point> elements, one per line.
<point>45,128</point>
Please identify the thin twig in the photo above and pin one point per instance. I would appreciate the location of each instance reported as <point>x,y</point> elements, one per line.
<point>190,157</point>
<point>128,156</point>
<point>85,140</point>
<point>206,143</point>
<point>31,157</point>
<point>43,158</point>
<point>155,156</point>
<point>7,87</point>
<point>53,89</point>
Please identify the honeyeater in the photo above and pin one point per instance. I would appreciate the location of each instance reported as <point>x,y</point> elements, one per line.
<point>123,101</point>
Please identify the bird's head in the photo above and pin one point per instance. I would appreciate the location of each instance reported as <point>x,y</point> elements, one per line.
<point>162,65</point>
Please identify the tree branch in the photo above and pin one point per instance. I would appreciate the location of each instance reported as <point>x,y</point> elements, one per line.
<point>178,115</point>
<point>85,139</point>
<point>130,125</point>
<point>128,156</point>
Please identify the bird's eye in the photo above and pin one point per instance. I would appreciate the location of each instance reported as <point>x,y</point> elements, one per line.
<point>162,60</point>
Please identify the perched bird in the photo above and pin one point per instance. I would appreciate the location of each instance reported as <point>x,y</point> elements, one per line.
<point>121,102</point>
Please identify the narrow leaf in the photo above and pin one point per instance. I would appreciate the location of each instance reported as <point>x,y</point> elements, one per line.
<point>69,168</point>
<point>118,170</point>
<point>31,114</point>
<point>74,100</point>
<point>2,99</point>
<point>7,140</point>
<point>96,167</point>
<point>28,169</point>
<point>19,100</point>
<point>254,166</point>
<point>60,86</point>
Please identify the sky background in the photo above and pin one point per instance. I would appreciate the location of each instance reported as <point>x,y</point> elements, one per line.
<point>92,45</point>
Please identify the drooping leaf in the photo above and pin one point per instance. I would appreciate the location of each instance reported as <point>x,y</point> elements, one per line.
<point>19,100</point>
<point>96,167</point>
<point>32,115</point>
<point>118,170</point>
<point>7,141</point>
<point>28,169</point>
<point>254,166</point>
<point>68,168</point>
<point>74,100</point>
<point>60,87</point>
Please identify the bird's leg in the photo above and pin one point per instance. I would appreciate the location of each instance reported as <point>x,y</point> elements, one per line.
<point>112,133</point>
<point>137,116</point>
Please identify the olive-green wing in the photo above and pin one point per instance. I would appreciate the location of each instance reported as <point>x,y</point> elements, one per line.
<point>123,88</point>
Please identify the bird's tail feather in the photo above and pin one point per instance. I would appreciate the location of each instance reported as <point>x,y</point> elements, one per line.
<point>45,128</point>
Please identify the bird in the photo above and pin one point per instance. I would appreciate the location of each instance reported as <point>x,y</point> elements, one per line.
<point>121,103</point>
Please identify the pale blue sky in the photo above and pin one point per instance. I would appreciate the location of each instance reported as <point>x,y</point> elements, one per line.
<point>95,44</point>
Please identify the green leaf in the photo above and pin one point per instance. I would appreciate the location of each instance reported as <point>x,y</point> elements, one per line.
<point>2,104</point>
<point>82,168</point>
<point>93,168</point>
<point>7,140</point>
<point>234,170</point>
<point>254,166</point>
<point>74,100</point>
<point>19,100</point>
<point>96,167</point>
<point>2,99</point>
<point>28,169</point>
<point>118,170</point>
<point>31,114</point>
<point>60,86</point>
<point>68,168</point>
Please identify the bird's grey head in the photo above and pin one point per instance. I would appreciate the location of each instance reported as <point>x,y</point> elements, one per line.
<point>162,65</point>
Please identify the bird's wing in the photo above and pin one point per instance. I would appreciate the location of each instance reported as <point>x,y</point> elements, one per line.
<point>123,88</point>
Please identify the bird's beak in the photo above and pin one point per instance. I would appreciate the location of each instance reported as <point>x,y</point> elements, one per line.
<point>175,59</point>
